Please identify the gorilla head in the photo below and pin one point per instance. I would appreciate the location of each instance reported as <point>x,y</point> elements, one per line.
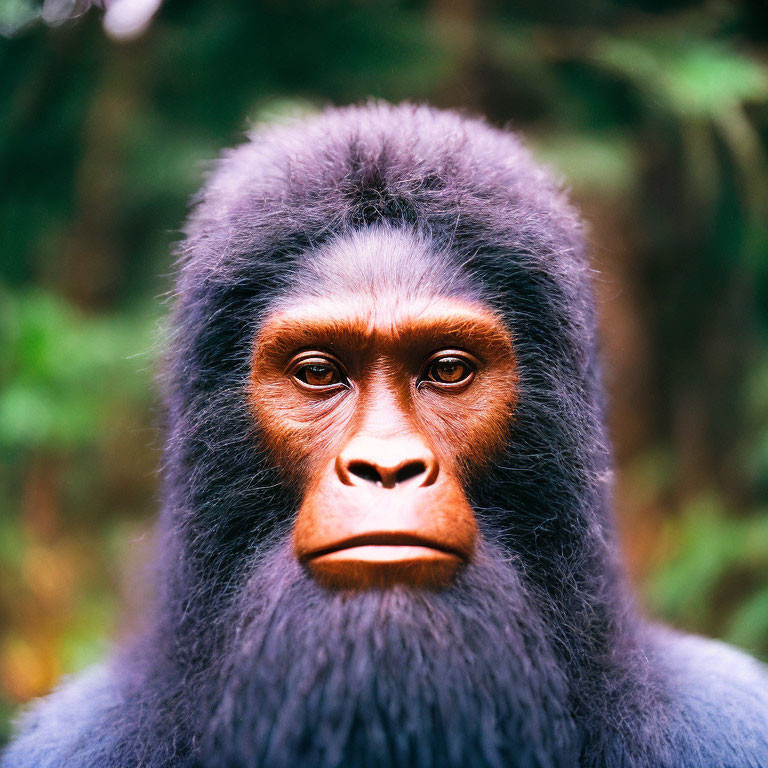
<point>387,531</point>
<point>383,293</point>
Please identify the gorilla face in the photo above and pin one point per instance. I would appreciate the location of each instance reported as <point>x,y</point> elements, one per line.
<point>374,393</point>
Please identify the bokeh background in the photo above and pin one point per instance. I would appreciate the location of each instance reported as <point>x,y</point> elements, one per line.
<point>654,111</point>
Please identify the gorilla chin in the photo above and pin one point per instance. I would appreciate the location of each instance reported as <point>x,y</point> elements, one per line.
<point>464,675</point>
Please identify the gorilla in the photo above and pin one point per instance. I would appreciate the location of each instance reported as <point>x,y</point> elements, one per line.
<point>386,537</point>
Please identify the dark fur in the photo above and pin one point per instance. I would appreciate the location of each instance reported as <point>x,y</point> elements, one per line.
<point>536,657</point>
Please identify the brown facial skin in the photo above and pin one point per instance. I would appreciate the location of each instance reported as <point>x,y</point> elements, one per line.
<point>376,407</point>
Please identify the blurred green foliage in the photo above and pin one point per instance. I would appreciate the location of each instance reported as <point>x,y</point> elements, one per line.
<point>655,113</point>
<point>64,374</point>
<point>716,553</point>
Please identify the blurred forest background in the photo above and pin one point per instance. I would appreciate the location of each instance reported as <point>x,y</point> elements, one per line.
<point>654,111</point>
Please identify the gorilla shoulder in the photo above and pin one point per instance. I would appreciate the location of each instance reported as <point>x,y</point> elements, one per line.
<point>720,700</point>
<point>72,726</point>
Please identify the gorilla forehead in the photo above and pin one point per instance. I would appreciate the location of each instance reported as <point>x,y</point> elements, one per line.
<point>380,261</point>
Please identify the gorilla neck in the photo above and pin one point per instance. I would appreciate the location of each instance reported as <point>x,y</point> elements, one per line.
<point>461,677</point>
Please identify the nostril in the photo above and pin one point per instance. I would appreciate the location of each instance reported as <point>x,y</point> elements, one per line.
<point>364,471</point>
<point>409,471</point>
<point>385,476</point>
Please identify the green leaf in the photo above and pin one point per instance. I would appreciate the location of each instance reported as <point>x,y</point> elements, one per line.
<point>692,78</point>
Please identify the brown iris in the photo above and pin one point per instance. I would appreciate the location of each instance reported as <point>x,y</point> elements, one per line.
<point>317,373</point>
<point>449,370</point>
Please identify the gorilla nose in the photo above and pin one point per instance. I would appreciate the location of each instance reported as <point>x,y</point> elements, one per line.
<point>386,463</point>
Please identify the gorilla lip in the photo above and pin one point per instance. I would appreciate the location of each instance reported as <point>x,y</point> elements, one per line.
<point>381,560</point>
<point>389,546</point>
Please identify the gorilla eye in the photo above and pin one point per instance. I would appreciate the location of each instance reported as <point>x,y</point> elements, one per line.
<point>317,373</point>
<point>449,370</point>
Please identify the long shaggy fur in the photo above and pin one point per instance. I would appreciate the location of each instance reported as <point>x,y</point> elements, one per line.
<point>537,657</point>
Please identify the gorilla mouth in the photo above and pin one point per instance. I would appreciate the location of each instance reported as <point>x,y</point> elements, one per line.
<point>384,559</point>
<point>385,541</point>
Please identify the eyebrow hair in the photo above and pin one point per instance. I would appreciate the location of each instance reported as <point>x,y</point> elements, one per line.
<point>289,330</point>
